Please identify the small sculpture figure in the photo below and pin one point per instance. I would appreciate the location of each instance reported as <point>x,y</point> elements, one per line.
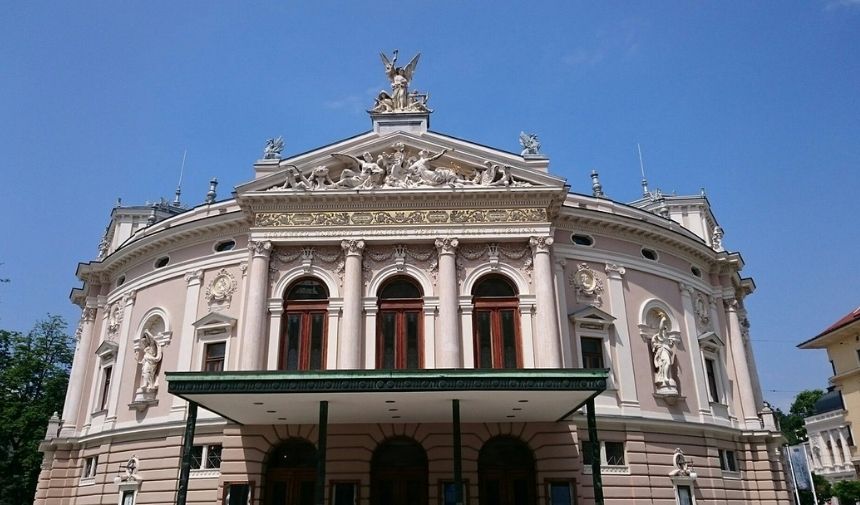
<point>423,172</point>
<point>151,357</point>
<point>662,344</point>
<point>400,99</point>
<point>530,144</point>
<point>296,179</point>
<point>718,239</point>
<point>319,178</point>
<point>487,176</point>
<point>365,173</point>
<point>273,148</point>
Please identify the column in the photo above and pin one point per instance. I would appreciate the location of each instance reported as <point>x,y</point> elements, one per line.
<point>349,343</point>
<point>843,444</point>
<point>117,377</point>
<point>185,463</point>
<point>276,311</point>
<point>837,451</point>
<point>371,309</point>
<point>334,310</point>
<point>193,281</point>
<point>596,478</point>
<point>742,372</point>
<point>448,340</point>
<point>431,306</point>
<point>319,487</point>
<point>700,378</point>
<point>627,394</point>
<point>548,341</point>
<point>467,337</point>
<point>79,363</point>
<point>563,323</point>
<point>253,342</point>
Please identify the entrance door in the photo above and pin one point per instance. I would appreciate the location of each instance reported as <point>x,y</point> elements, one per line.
<point>291,474</point>
<point>506,473</point>
<point>399,473</point>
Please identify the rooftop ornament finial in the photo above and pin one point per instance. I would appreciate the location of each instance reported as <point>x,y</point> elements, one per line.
<point>211,195</point>
<point>400,99</point>
<point>530,144</point>
<point>596,187</point>
<point>273,148</point>
<point>152,217</point>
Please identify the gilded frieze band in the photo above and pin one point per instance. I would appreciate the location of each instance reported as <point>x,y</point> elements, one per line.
<point>387,217</point>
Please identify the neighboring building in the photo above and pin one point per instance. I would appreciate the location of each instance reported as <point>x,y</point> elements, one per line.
<point>834,451</point>
<point>829,439</point>
<point>376,320</point>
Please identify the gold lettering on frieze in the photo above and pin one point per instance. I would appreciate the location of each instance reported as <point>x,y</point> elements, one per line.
<point>397,217</point>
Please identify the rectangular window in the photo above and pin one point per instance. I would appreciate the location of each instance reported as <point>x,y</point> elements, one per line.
<point>685,495</point>
<point>586,452</point>
<point>560,493</point>
<point>90,465</point>
<point>592,352</point>
<point>614,453</point>
<point>128,498</point>
<point>344,493</point>
<point>711,370</point>
<point>728,462</point>
<point>237,493</point>
<point>106,376</point>
<point>205,457</point>
<point>214,361</point>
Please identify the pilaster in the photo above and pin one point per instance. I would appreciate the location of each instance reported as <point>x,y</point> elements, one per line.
<point>627,395</point>
<point>742,373</point>
<point>700,379</point>
<point>252,345</point>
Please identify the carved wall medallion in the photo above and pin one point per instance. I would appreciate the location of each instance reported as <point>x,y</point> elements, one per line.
<point>220,290</point>
<point>701,306</point>
<point>394,218</point>
<point>588,286</point>
<point>114,320</point>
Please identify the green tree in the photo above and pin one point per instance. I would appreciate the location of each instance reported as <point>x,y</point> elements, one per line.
<point>803,406</point>
<point>823,490</point>
<point>848,491</point>
<point>34,373</point>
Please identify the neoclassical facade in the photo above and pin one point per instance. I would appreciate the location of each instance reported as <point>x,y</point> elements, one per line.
<point>408,317</point>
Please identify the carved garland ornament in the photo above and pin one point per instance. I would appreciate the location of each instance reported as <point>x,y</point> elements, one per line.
<point>376,218</point>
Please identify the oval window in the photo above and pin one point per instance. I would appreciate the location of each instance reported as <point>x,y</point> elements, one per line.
<point>580,239</point>
<point>649,254</point>
<point>162,262</point>
<point>120,281</point>
<point>696,271</point>
<point>225,245</point>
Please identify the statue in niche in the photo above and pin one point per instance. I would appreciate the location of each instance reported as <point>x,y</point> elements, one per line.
<point>151,356</point>
<point>663,347</point>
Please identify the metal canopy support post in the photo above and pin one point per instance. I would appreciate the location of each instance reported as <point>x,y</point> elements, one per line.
<point>319,488</point>
<point>187,444</point>
<point>595,452</point>
<point>458,454</point>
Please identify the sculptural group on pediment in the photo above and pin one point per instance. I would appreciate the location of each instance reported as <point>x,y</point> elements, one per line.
<point>400,99</point>
<point>398,168</point>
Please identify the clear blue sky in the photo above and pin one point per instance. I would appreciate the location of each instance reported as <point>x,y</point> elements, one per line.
<point>758,102</point>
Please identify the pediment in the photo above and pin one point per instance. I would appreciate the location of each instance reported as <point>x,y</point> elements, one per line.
<point>214,320</point>
<point>710,341</point>
<point>592,317</point>
<point>400,161</point>
<point>107,350</point>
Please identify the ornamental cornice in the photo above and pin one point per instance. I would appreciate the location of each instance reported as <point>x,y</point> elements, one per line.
<point>395,217</point>
<point>403,233</point>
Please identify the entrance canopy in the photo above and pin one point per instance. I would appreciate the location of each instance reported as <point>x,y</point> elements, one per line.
<point>390,396</point>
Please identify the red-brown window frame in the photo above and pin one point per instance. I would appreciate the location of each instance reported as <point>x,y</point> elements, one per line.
<point>207,359</point>
<point>495,306</point>
<point>305,309</point>
<point>400,308</point>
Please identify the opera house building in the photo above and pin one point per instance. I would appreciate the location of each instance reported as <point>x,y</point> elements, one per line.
<point>404,317</point>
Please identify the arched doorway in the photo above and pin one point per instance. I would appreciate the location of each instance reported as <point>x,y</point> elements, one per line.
<point>398,473</point>
<point>291,473</point>
<point>506,472</point>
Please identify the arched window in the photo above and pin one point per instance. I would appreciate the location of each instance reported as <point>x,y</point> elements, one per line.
<point>291,473</point>
<point>304,326</point>
<point>506,472</point>
<point>398,335</point>
<point>496,325</point>
<point>398,473</point>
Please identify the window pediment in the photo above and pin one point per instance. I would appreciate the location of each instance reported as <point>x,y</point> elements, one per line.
<point>214,322</point>
<point>592,318</point>
<point>107,350</point>
<point>710,341</point>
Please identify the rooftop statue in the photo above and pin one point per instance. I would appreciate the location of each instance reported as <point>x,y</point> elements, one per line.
<point>530,144</point>
<point>400,99</point>
<point>273,149</point>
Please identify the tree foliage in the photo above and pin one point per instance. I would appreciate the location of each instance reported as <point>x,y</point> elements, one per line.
<point>823,490</point>
<point>34,373</point>
<point>803,406</point>
<point>848,491</point>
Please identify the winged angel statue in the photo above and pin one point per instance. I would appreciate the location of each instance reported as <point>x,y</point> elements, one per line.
<point>400,99</point>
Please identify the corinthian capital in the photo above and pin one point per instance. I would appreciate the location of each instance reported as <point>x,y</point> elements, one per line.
<point>129,297</point>
<point>541,244</point>
<point>352,247</point>
<point>447,245</point>
<point>731,304</point>
<point>614,271</point>
<point>193,276</point>
<point>260,247</point>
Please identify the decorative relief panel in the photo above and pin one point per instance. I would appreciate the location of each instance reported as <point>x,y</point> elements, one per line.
<point>386,217</point>
<point>588,286</point>
<point>473,255</point>
<point>702,309</point>
<point>288,257</point>
<point>220,291</point>
<point>423,257</point>
<point>114,320</point>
